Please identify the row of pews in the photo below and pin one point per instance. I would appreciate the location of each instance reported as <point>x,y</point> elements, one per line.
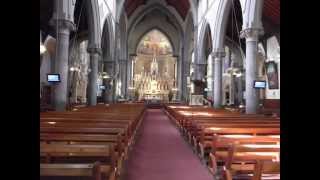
<point>231,144</point>
<point>88,142</point>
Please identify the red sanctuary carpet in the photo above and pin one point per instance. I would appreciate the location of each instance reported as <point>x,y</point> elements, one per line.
<point>160,153</point>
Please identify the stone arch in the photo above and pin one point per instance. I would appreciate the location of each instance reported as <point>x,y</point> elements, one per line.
<point>107,42</point>
<point>120,8</point>
<point>166,29</point>
<point>108,47</point>
<point>251,18</point>
<point>151,29</point>
<point>123,26</point>
<point>188,49</point>
<point>143,11</point>
<point>93,19</point>
<point>220,25</point>
<point>205,43</point>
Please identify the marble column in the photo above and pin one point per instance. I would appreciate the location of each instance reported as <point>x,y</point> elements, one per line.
<point>251,36</point>
<point>93,76</point>
<point>217,82</point>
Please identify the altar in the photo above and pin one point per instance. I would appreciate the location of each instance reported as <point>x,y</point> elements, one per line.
<point>154,72</point>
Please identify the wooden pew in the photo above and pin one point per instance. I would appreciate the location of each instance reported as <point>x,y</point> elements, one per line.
<point>72,154</point>
<point>74,135</point>
<point>218,130</point>
<point>266,167</point>
<point>92,170</point>
<point>241,160</point>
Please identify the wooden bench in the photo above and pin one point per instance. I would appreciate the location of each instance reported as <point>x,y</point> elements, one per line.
<point>92,171</point>
<point>238,141</point>
<point>87,140</point>
<point>62,154</point>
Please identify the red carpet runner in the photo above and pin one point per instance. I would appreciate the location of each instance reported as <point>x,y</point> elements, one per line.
<point>160,153</point>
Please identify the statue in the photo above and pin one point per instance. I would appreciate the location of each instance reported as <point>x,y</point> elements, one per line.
<point>154,67</point>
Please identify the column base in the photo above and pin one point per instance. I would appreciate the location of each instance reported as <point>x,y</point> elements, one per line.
<point>60,107</point>
<point>251,111</point>
<point>217,106</point>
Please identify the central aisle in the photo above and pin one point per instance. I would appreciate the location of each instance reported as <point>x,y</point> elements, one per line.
<point>160,153</point>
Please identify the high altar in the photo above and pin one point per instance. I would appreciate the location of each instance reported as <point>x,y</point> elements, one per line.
<point>154,70</point>
<point>152,85</point>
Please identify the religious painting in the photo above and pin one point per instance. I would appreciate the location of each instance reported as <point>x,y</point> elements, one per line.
<point>154,42</point>
<point>272,74</point>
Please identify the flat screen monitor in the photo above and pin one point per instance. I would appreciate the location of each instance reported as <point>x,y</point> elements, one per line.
<point>260,84</point>
<point>53,77</point>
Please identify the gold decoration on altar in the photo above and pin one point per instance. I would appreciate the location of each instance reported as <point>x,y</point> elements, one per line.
<point>154,75</point>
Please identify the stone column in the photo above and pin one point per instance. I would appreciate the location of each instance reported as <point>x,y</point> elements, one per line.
<point>123,70</point>
<point>93,76</point>
<point>179,77</point>
<point>251,36</point>
<point>130,73</point>
<point>197,73</point>
<point>108,93</point>
<point>240,92</point>
<point>217,82</point>
<point>232,89</point>
<point>186,73</point>
<point>61,64</point>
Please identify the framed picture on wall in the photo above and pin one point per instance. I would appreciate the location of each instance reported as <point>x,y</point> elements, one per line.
<point>272,74</point>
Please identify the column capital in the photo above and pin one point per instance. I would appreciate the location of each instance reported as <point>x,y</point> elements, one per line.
<point>218,54</point>
<point>251,34</point>
<point>63,23</point>
<point>94,50</point>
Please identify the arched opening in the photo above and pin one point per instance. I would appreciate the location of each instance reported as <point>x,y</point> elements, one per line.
<point>233,66</point>
<point>208,70</point>
<point>154,68</point>
<point>107,64</point>
<point>188,60</point>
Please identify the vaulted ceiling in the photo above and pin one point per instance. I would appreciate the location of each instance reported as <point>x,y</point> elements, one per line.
<point>271,11</point>
<point>182,6</point>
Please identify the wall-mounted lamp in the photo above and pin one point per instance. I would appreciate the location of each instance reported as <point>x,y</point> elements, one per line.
<point>43,49</point>
<point>74,69</point>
